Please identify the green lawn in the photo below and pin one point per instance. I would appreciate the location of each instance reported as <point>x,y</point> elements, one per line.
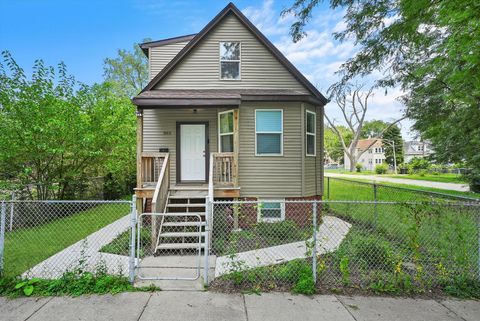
<point>342,190</point>
<point>442,178</point>
<point>24,248</point>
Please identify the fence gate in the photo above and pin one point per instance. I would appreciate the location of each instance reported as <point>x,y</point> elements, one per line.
<point>167,246</point>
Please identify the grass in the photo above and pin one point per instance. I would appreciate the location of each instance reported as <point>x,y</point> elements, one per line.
<point>342,190</point>
<point>24,248</point>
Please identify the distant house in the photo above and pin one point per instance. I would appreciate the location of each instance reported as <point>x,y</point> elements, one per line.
<point>375,154</point>
<point>416,149</point>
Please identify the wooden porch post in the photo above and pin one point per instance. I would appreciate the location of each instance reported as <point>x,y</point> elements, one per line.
<point>236,146</point>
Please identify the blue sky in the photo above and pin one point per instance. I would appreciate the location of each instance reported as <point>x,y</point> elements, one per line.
<point>83,33</point>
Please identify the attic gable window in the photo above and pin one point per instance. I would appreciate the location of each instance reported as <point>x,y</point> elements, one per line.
<point>230,60</point>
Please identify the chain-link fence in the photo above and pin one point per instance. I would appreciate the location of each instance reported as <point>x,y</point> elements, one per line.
<point>345,189</point>
<point>365,245</point>
<point>47,239</point>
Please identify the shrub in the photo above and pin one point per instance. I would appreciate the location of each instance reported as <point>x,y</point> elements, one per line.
<point>381,168</point>
<point>374,252</point>
<point>358,166</point>
<point>417,164</point>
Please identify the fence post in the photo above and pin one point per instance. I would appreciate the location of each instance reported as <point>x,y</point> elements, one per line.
<point>208,210</point>
<point>328,187</point>
<point>2,234</point>
<point>133,222</point>
<point>375,212</point>
<point>314,251</point>
<point>11,212</point>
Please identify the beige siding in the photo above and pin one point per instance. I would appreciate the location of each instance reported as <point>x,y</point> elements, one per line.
<point>159,130</point>
<point>259,68</point>
<point>313,165</point>
<point>161,55</point>
<point>270,176</point>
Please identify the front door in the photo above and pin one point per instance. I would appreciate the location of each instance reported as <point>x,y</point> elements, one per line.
<point>192,152</point>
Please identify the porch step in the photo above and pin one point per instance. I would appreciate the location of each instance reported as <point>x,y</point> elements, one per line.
<point>179,246</point>
<point>183,234</point>
<point>184,224</point>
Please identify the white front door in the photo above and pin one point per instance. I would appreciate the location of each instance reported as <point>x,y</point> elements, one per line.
<point>192,152</point>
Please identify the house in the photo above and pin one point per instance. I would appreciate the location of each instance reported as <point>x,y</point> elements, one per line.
<point>226,115</point>
<point>416,149</point>
<point>373,154</point>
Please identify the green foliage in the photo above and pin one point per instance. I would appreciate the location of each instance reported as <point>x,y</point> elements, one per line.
<point>373,128</point>
<point>121,244</point>
<point>57,132</point>
<point>393,134</point>
<point>128,71</point>
<point>358,167</point>
<point>381,169</point>
<point>344,269</point>
<point>373,251</point>
<point>333,145</point>
<point>416,165</point>
<point>27,286</point>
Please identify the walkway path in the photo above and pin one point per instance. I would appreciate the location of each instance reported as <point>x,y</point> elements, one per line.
<point>88,249</point>
<point>183,306</point>
<point>329,237</point>
<point>440,185</point>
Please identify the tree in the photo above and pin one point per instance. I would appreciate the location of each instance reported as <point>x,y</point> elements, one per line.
<point>373,128</point>
<point>393,134</point>
<point>57,132</point>
<point>333,145</point>
<point>426,48</point>
<point>128,71</point>
<point>353,103</point>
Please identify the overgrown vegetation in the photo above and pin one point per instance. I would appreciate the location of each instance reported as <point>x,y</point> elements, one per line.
<point>26,247</point>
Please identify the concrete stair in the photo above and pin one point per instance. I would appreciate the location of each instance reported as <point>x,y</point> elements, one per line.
<point>184,232</point>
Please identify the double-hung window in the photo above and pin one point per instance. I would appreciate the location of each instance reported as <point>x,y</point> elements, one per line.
<point>230,60</point>
<point>271,211</point>
<point>225,131</point>
<point>310,135</point>
<point>269,132</point>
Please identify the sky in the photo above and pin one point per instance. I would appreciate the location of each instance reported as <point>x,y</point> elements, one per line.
<point>83,33</point>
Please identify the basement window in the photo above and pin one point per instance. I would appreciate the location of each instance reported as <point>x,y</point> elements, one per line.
<point>230,60</point>
<point>271,211</point>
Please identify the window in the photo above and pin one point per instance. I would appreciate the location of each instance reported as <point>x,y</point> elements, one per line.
<point>230,60</point>
<point>225,131</point>
<point>268,132</point>
<point>270,211</point>
<point>310,133</point>
<point>370,161</point>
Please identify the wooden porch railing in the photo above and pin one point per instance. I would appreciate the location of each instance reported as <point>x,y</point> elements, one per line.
<point>225,169</point>
<point>151,166</point>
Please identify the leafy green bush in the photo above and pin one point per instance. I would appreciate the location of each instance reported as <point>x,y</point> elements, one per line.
<point>358,167</point>
<point>381,169</point>
<point>417,164</point>
<point>121,244</point>
<point>281,232</point>
<point>376,254</point>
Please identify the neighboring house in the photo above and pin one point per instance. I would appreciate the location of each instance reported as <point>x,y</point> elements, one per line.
<point>226,115</point>
<point>375,154</point>
<point>416,149</point>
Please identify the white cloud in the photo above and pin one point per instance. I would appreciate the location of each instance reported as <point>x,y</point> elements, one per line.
<point>267,19</point>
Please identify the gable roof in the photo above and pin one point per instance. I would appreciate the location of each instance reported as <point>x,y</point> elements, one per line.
<point>232,9</point>
<point>364,143</point>
<point>150,44</point>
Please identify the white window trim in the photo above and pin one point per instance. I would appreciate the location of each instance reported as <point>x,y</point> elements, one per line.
<point>271,219</point>
<point>314,134</point>
<point>281,134</point>
<point>224,134</point>
<point>220,62</point>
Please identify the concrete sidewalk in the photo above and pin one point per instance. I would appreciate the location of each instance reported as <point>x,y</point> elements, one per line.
<point>185,306</point>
